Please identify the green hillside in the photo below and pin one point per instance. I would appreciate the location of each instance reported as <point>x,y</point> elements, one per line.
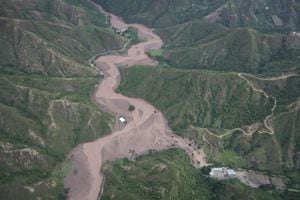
<point>160,13</point>
<point>202,45</point>
<point>240,120</point>
<point>197,98</point>
<point>233,13</point>
<point>41,120</point>
<point>53,37</point>
<point>221,102</point>
<point>240,36</point>
<point>46,87</point>
<point>169,175</point>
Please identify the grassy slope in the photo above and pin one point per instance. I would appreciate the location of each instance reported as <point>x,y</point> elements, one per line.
<point>168,175</point>
<point>195,41</point>
<point>203,45</point>
<point>49,116</point>
<point>54,39</point>
<point>161,13</point>
<point>221,101</point>
<point>287,112</point>
<point>197,98</point>
<point>43,114</point>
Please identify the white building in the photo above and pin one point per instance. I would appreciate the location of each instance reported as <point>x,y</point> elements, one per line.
<point>222,172</point>
<point>216,171</point>
<point>121,30</point>
<point>122,120</point>
<point>231,173</point>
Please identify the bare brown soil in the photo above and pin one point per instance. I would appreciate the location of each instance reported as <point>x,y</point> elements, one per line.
<point>146,128</point>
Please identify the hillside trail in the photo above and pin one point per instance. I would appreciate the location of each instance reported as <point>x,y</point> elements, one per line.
<point>253,127</point>
<point>269,117</point>
<point>273,78</point>
<point>146,129</point>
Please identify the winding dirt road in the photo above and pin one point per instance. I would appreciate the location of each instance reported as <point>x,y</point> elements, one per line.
<point>146,129</point>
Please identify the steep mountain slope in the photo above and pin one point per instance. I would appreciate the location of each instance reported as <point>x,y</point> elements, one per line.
<point>191,98</point>
<point>169,175</point>
<point>238,121</point>
<point>57,43</point>
<point>242,36</point>
<point>226,114</point>
<point>263,14</point>
<point>202,45</point>
<point>46,87</point>
<point>41,120</point>
<point>157,13</point>
<point>161,13</point>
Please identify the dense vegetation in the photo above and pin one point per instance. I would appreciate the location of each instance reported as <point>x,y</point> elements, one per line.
<point>169,175</point>
<point>46,87</point>
<point>46,84</point>
<point>193,100</point>
<point>224,35</point>
<point>203,45</point>
<point>243,36</point>
<point>162,13</point>
<point>197,98</point>
<point>52,37</point>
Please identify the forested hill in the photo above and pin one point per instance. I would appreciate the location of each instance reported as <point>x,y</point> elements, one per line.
<point>232,13</point>
<point>257,37</point>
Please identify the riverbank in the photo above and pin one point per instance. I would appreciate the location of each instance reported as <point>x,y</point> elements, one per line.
<point>146,130</point>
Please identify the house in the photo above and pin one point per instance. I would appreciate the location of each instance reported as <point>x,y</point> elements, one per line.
<point>216,171</point>
<point>122,120</point>
<point>231,173</point>
<point>222,172</point>
<point>121,30</point>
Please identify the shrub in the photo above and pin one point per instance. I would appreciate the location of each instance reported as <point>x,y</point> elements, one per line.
<point>131,108</point>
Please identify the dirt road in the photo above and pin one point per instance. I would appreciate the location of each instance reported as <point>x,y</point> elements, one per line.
<point>146,129</point>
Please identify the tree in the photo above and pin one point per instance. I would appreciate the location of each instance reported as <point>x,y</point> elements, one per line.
<point>131,108</point>
<point>205,170</point>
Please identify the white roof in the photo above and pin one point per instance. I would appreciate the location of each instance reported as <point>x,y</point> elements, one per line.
<point>122,119</point>
<point>217,169</point>
<point>231,172</point>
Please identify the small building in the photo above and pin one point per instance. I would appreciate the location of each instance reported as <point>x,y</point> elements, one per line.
<point>217,171</point>
<point>122,120</point>
<point>231,173</point>
<point>121,30</point>
<point>101,72</point>
<point>222,172</point>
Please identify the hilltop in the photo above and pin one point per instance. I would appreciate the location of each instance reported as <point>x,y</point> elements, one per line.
<point>232,13</point>
<point>202,45</point>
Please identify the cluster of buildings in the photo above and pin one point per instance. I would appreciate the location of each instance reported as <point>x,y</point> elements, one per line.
<point>222,172</point>
<point>121,30</point>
